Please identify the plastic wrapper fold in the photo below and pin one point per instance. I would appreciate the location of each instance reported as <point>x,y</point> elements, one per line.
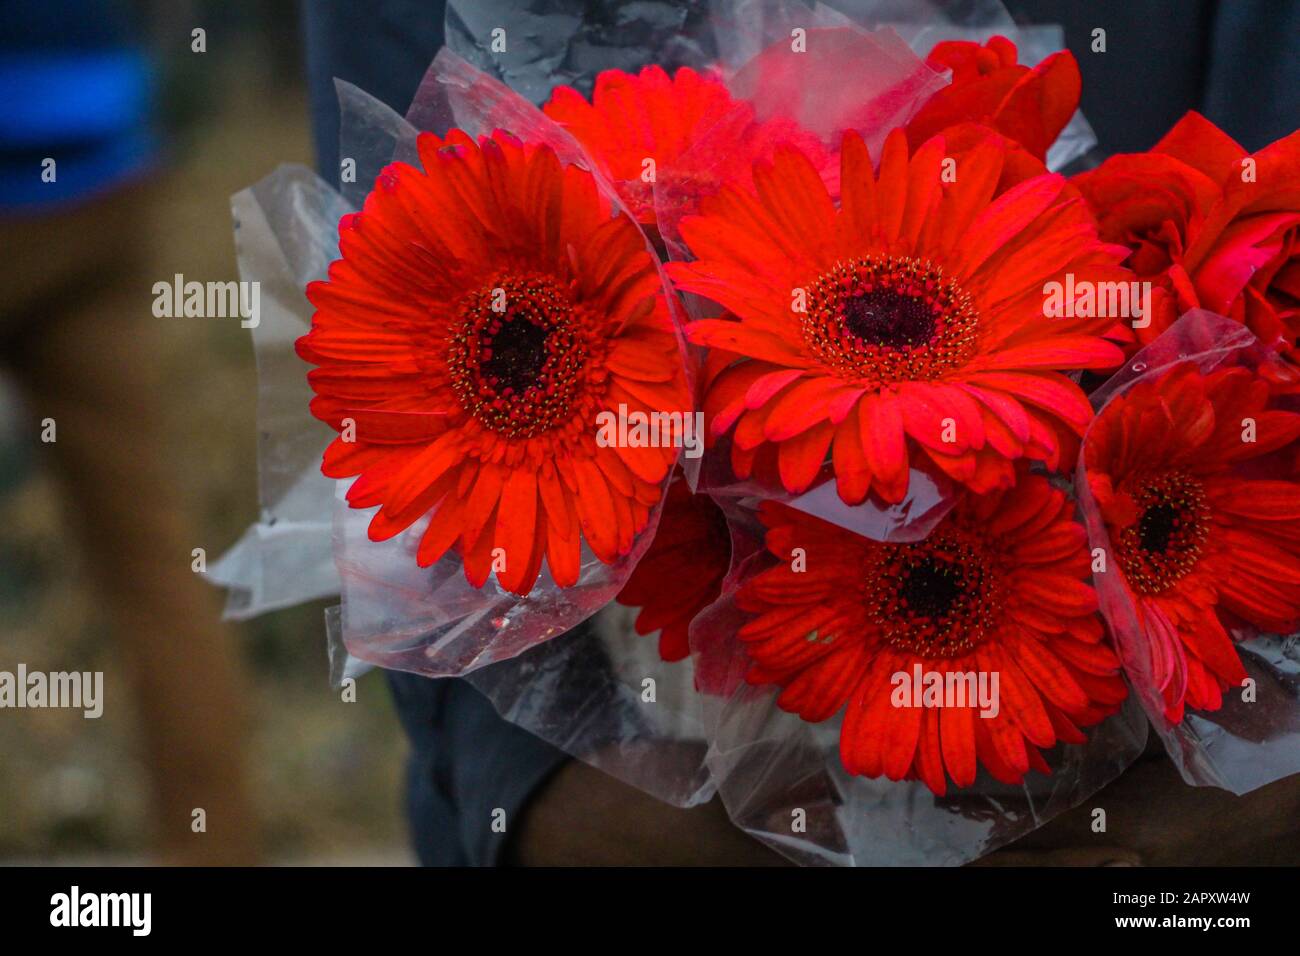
<point>1254,738</point>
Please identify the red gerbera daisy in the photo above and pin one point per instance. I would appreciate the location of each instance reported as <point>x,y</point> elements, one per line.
<point>998,588</point>
<point>485,311</point>
<point>650,116</point>
<point>682,572</point>
<point>1194,530</point>
<point>910,319</point>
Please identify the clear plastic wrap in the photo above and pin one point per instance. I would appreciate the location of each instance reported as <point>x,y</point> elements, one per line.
<point>930,496</point>
<point>1254,738</point>
<point>922,25</point>
<point>603,694</point>
<point>394,613</point>
<point>548,43</point>
<point>878,83</point>
<point>535,46</point>
<point>285,237</point>
<point>782,780</point>
<point>681,731</point>
<point>881,83</point>
<point>432,621</point>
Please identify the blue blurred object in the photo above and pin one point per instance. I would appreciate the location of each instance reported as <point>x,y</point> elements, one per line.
<point>59,97</point>
<point>76,90</point>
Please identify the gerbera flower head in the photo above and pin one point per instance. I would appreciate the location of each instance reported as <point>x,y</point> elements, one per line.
<point>998,588</point>
<point>682,572</point>
<point>905,326</point>
<point>640,127</point>
<point>1174,465</point>
<point>486,310</point>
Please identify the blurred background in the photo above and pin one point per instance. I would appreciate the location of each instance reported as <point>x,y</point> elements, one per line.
<point>319,776</point>
<point>153,129</point>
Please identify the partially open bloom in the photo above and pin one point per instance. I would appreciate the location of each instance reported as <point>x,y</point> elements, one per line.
<point>989,86</point>
<point>1195,529</point>
<point>998,591</point>
<point>682,572</point>
<point>638,127</point>
<point>908,322</point>
<point>1211,225</point>
<point>485,311</point>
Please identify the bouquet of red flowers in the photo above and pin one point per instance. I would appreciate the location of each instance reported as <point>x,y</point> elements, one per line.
<point>781,341</point>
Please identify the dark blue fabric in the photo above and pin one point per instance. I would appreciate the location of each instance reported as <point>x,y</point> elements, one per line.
<point>466,764</point>
<point>1253,86</point>
<point>1236,61</point>
<point>382,47</point>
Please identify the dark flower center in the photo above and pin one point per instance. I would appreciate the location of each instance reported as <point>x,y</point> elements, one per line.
<point>885,319</point>
<point>516,356</point>
<point>513,357</point>
<point>939,597</point>
<point>1157,526</point>
<point>1166,541</point>
<point>931,588</point>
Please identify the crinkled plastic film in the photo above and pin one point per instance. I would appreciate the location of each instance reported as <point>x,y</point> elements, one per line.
<point>343,666</point>
<point>549,43</point>
<point>930,495</point>
<point>765,763</point>
<point>393,613</point>
<point>554,42</point>
<point>782,98</point>
<point>431,620</point>
<point>1245,744</point>
<point>602,694</point>
<point>769,765</point>
<point>855,80</point>
<point>285,237</point>
<point>679,731</point>
<point>371,135</point>
<point>887,83</point>
<point>773,770</point>
<point>922,25</point>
